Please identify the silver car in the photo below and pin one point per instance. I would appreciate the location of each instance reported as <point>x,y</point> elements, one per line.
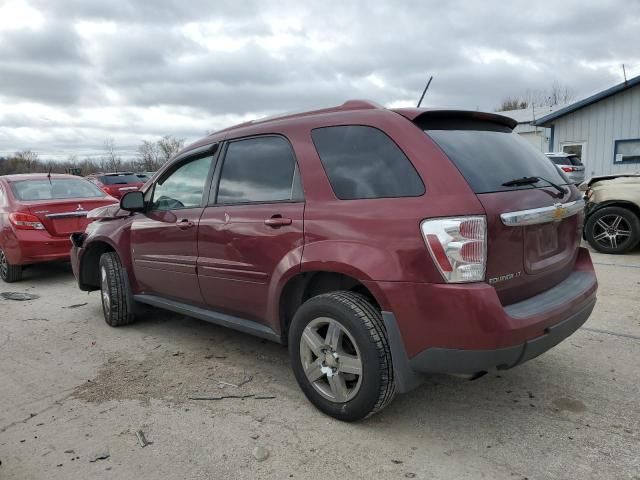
<point>569,164</point>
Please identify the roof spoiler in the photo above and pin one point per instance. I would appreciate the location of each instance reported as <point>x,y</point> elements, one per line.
<point>415,114</point>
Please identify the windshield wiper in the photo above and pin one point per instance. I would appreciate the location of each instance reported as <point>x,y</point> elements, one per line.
<point>531,180</point>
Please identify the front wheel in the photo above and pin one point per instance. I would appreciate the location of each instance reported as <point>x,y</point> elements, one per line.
<point>117,304</point>
<point>340,355</point>
<point>9,273</point>
<point>613,230</point>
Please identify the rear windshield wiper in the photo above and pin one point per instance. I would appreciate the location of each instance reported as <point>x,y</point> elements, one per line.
<point>530,180</point>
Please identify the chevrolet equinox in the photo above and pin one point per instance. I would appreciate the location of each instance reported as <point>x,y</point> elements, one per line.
<point>379,245</point>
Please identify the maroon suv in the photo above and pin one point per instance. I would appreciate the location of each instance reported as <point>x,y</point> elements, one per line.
<point>379,244</point>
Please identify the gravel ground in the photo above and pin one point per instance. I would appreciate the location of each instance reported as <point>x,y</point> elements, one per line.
<point>72,389</point>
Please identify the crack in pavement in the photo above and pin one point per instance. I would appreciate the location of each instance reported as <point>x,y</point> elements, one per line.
<point>609,332</point>
<point>616,265</point>
<point>56,403</point>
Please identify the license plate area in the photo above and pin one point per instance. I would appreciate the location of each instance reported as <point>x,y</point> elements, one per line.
<point>547,244</point>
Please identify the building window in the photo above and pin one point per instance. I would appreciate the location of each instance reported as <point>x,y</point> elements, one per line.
<point>576,149</point>
<point>627,151</point>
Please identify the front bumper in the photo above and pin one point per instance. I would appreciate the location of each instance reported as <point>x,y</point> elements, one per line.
<point>462,330</point>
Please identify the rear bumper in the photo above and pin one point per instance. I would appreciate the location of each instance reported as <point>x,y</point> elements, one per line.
<point>24,247</point>
<point>464,329</point>
<point>474,361</point>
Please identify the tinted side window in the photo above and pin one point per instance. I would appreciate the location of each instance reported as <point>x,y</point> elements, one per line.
<point>363,162</point>
<point>183,188</point>
<point>257,170</point>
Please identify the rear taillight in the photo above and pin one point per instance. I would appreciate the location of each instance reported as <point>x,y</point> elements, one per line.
<point>458,246</point>
<point>568,169</point>
<point>25,221</point>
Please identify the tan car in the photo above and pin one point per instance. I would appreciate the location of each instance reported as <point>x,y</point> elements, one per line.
<point>613,212</point>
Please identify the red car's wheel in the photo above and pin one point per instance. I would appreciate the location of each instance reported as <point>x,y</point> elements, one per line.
<point>9,273</point>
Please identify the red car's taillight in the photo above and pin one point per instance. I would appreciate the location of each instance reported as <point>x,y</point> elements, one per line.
<point>25,221</point>
<point>458,246</point>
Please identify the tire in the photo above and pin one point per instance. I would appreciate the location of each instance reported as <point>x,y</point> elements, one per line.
<point>117,304</point>
<point>9,273</point>
<point>337,326</point>
<point>613,230</point>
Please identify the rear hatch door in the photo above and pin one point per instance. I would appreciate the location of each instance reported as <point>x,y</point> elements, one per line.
<point>534,217</point>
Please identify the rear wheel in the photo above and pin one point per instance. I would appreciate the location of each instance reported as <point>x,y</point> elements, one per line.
<point>117,304</point>
<point>340,355</point>
<point>9,273</point>
<point>613,230</point>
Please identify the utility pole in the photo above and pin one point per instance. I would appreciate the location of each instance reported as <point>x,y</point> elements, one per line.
<point>624,73</point>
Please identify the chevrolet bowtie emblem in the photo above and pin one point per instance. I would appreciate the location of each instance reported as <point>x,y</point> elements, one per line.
<point>79,208</point>
<point>560,212</point>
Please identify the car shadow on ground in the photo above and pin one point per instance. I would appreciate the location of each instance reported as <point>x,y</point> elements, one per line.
<point>537,388</point>
<point>504,405</point>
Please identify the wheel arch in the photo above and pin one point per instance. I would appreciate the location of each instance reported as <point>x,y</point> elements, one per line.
<point>308,284</point>
<point>616,203</point>
<point>89,269</point>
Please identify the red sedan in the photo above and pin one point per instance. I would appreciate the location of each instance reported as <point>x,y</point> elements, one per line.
<point>38,213</point>
<point>116,184</point>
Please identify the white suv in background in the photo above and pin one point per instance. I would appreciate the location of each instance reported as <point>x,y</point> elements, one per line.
<point>570,165</point>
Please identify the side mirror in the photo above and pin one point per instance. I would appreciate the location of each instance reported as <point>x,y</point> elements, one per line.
<point>132,202</point>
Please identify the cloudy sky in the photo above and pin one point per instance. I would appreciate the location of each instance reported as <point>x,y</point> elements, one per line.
<point>74,72</point>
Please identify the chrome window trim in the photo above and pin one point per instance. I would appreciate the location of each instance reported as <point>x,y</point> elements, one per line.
<point>534,216</point>
<point>78,213</point>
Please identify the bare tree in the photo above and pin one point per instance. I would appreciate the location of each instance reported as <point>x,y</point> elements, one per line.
<point>28,158</point>
<point>559,94</point>
<point>152,155</point>
<point>110,161</point>
<point>512,103</point>
<point>556,94</point>
<point>149,156</point>
<point>169,146</point>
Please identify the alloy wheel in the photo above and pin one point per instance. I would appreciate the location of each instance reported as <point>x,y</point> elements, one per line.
<point>106,299</point>
<point>4,265</point>
<point>331,359</point>
<point>610,231</point>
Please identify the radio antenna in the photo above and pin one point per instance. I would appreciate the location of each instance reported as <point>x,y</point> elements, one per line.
<point>424,91</point>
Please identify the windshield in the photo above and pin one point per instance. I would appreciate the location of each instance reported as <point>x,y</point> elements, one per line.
<point>119,179</point>
<point>55,189</point>
<point>488,158</point>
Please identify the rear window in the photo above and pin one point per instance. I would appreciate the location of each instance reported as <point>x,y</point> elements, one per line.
<point>119,179</point>
<point>560,160</point>
<point>55,189</point>
<point>488,158</point>
<point>363,162</point>
<point>575,161</point>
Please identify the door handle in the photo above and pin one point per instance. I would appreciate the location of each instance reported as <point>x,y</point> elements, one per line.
<point>185,224</point>
<point>277,221</point>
